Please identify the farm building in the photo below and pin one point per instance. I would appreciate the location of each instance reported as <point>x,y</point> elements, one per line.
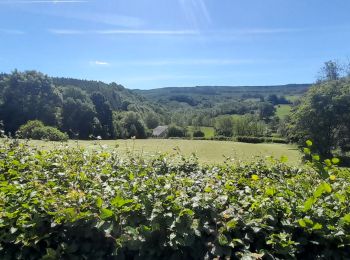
<point>160,131</point>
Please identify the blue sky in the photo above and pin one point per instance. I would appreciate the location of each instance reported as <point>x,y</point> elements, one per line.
<point>160,43</point>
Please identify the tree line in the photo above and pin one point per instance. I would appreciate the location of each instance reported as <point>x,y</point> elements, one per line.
<point>81,109</point>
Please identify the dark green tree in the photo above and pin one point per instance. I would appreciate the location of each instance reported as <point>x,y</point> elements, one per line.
<point>323,116</point>
<point>28,96</point>
<point>104,115</point>
<point>133,125</point>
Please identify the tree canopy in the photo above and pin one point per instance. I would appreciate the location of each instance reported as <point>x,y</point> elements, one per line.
<point>323,116</point>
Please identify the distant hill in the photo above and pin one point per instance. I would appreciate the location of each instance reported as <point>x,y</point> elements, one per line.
<point>211,95</point>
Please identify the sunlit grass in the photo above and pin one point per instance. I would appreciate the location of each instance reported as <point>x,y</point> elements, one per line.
<point>207,151</point>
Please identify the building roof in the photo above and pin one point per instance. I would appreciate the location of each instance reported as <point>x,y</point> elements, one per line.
<point>159,130</point>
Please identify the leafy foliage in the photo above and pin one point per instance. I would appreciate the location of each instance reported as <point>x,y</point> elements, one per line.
<point>81,108</point>
<point>323,116</point>
<point>176,131</point>
<point>67,203</point>
<point>37,130</point>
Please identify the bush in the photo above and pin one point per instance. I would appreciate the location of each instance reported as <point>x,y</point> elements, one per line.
<point>71,204</point>
<point>26,130</point>
<point>49,133</point>
<point>256,140</point>
<point>279,140</point>
<point>221,138</point>
<point>176,131</point>
<point>198,133</point>
<point>250,139</point>
<point>36,130</point>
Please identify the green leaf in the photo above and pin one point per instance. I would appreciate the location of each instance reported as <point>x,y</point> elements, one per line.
<point>322,188</point>
<point>231,224</point>
<point>222,240</point>
<point>335,160</point>
<point>308,203</point>
<point>307,151</point>
<point>317,226</point>
<point>309,143</point>
<point>186,212</point>
<point>328,162</point>
<point>346,219</point>
<point>118,201</point>
<point>99,202</point>
<point>316,157</point>
<point>106,213</point>
<point>302,223</point>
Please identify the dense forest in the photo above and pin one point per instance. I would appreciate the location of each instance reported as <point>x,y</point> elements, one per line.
<point>82,109</point>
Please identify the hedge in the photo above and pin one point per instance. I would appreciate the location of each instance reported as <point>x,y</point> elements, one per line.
<point>73,204</point>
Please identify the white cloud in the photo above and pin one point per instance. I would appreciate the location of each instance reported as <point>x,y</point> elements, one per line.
<point>99,63</point>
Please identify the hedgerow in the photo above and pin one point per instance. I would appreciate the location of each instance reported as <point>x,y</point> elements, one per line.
<point>73,204</point>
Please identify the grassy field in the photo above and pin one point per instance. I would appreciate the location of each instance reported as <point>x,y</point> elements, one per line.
<point>283,110</point>
<point>207,151</point>
<point>208,131</point>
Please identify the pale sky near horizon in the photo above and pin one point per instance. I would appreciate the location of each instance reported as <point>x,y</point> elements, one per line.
<point>164,43</point>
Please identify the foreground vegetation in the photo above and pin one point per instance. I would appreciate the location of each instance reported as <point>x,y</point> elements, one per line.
<point>69,203</point>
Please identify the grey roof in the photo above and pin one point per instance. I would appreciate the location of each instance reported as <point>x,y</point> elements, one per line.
<point>159,130</point>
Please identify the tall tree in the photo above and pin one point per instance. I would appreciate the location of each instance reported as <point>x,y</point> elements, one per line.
<point>78,114</point>
<point>104,114</point>
<point>224,126</point>
<point>323,116</point>
<point>331,70</point>
<point>29,96</point>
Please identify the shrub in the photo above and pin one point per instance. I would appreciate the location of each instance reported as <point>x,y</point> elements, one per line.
<point>250,139</point>
<point>221,138</point>
<point>26,130</point>
<point>36,130</point>
<point>279,140</point>
<point>198,133</point>
<point>49,133</point>
<point>71,204</point>
<point>256,140</point>
<point>176,131</point>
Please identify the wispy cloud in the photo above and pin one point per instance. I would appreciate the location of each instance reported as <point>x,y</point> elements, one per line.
<point>42,1</point>
<point>181,62</point>
<point>196,12</point>
<point>208,34</point>
<point>130,32</point>
<point>99,63</point>
<point>264,30</point>
<point>11,31</point>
